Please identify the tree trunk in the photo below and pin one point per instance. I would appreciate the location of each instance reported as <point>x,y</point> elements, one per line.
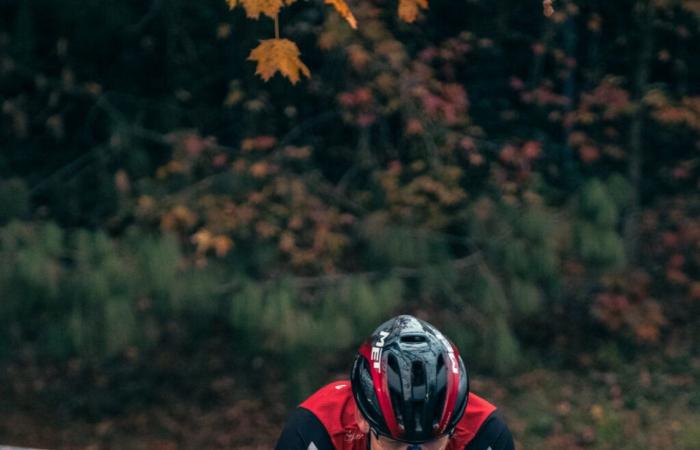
<point>570,42</point>
<point>644,17</point>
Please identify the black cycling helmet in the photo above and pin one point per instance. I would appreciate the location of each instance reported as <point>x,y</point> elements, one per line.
<point>409,381</point>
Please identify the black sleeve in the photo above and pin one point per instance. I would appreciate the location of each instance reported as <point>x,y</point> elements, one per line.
<point>302,430</point>
<point>493,434</point>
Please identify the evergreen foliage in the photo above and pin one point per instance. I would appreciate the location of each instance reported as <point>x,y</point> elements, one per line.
<point>596,238</point>
<point>158,189</point>
<point>14,200</point>
<point>84,294</point>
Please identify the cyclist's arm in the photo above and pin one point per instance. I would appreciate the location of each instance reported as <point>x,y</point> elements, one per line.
<point>493,434</point>
<point>302,430</point>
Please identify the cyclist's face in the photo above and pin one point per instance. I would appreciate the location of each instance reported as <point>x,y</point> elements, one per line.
<point>384,443</point>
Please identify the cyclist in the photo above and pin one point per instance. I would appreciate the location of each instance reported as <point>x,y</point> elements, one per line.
<point>408,390</point>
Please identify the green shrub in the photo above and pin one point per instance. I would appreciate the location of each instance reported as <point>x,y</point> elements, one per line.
<point>88,295</point>
<point>596,239</point>
<point>14,199</point>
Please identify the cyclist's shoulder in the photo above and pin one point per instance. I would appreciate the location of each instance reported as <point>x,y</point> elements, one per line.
<point>334,407</point>
<point>477,413</point>
<point>333,400</point>
<point>481,400</point>
<point>334,390</point>
<point>336,386</point>
<point>493,433</point>
<point>478,405</point>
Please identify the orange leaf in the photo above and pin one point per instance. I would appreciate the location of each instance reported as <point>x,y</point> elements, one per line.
<point>548,8</point>
<point>254,8</point>
<point>278,55</point>
<point>203,240</point>
<point>222,245</point>
<point>408,9</point>
<point>344,10</point>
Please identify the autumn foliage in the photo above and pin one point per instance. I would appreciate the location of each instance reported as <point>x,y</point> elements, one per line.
<point>282,55</point>
<point>527,181</point>
<point>393,167</point>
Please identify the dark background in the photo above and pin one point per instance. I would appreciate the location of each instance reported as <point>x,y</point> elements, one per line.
<point>187,251</point>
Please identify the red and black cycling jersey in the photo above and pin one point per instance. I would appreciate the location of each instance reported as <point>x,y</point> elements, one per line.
<point>326,421</point>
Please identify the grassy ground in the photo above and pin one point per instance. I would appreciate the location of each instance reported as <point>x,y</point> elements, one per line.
<point>632,408</point>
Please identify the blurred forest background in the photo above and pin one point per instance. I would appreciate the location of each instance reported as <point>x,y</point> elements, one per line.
<point>187,251</point>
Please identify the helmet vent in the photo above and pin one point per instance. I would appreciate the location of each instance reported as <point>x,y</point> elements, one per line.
<point>418,382</point>
<point>394,364</point>
<point>413,339</point>
<point>367,385</point>
<point>417,374</point>
<point>439,405</point>
<point>440,363</point>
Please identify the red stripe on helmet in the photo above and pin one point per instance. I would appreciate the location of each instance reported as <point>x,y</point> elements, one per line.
<point>453,374</point>
<point>381,389</point>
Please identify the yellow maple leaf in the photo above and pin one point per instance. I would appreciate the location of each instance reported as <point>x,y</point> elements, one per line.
<point>273,55</point>
<point>203,239</point>
<point>344,10</point>
<point>408,9</point>
<point>254,8</point>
